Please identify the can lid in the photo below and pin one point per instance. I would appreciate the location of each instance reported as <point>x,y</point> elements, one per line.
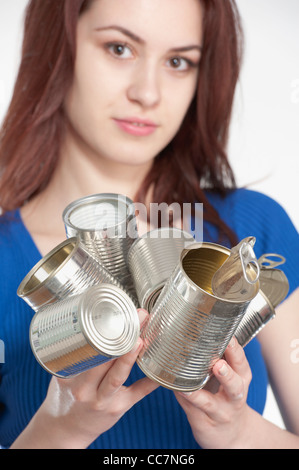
<point>237,276</point>
<point>47,267</point>
<point>109,319</point>
<point>273,282</point>
<point>102,213</point>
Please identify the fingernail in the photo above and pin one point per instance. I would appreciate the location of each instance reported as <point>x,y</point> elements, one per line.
<point>232,343</point>
<point>137,345</point>
<point>143,314</point>
<point>223,370</point>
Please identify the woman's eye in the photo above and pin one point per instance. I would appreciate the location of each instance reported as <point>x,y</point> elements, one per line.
<point>121,51</point>
<point>180,64</point>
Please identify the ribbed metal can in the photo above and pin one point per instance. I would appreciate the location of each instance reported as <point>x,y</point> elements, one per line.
<point>66,270</point>
<point>274,287</point>
<point>152,258</point>
<point>258,313</point>
<point>189,328</point>
<point>106,225</point>
<point>84,331</point>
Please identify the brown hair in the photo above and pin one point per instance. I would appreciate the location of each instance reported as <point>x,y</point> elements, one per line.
<point>32,131</point>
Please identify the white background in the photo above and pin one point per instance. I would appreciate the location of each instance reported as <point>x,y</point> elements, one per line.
<point>264,144</point>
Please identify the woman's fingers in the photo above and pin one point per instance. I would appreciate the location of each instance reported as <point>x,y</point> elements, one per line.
<point>88,383</point>
<point>139,390</point>
<point>236,358</point>
<point>143,315</point>
<point>233,376</point>
<point>233,373</point>
<point>232,383</point>
<point>118,373</point>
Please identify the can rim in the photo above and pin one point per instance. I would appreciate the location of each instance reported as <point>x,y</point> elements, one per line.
<point>22,292</point>
<point>213,246</point>
<point>88,200</point>
<point>146,236</point>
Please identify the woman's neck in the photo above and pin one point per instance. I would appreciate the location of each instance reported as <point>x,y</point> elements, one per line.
<point>75,177</point>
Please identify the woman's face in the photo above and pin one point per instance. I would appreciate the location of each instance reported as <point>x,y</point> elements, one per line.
<point>135,76</point>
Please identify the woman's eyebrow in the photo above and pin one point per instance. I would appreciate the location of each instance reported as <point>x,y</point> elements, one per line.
<point>124,31</point>
<point>187,48</point>
<point>139,40</point>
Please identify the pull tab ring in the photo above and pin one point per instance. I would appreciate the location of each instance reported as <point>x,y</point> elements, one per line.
<point>248,258</point>
<point>267,263</point>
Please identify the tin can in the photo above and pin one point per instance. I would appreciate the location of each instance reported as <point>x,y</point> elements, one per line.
<point>274,287</point>
<point>258,313</point>
<point>68,269</point>
<point>152,258</point>
<point>189,327</point>
<point>85,330</point>
<point>273,281</point>
<point>106,225</point>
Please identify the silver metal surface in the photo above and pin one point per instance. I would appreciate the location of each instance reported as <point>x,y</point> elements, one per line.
<point>85,330</point>
<point>258,313</point>
<point>152,258</point>
<point>68,269</point>
<point>273,282</point>
<point>189,328</point>
<point>274,287</point>
<point>235,279</point>
<point>106,225</point>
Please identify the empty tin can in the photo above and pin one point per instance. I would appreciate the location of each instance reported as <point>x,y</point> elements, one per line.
<point>85,330</point>
<point>273,281</point>
<point>68,269</point>
<point>106,225</point>
<point>189,328</point>
<point>152,258</point>
<point>258,313</point>
<point>274,287</point>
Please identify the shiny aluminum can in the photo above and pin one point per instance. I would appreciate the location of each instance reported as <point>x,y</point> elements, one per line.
<point>258,313</point>
<point>66,270</point>
<point>274,287</point>
<point>152,258</point>
<point>84,331</point>
<point>106,225</point>
<point>189,327</point>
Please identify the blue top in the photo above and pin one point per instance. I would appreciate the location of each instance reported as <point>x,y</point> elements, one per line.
<point>157,421</point>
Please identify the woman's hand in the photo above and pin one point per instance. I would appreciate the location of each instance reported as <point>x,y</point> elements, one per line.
<point>77,410</point>
<point>218,420</point>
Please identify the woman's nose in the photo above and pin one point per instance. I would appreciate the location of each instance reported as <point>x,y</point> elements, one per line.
<point>145,86</point>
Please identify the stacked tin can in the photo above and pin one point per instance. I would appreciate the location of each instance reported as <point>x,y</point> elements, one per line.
<point>83,331</point>
<point>85,294</point>
<point>84,315</point>
<point>151,260</point>
<point>274,288</point>
<point>106,226</point>
<point>189,327</point>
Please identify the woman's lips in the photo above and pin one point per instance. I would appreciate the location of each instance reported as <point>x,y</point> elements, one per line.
<point>137,127</point>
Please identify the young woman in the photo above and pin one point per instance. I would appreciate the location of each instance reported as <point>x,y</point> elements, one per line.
<point>133,97</point>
